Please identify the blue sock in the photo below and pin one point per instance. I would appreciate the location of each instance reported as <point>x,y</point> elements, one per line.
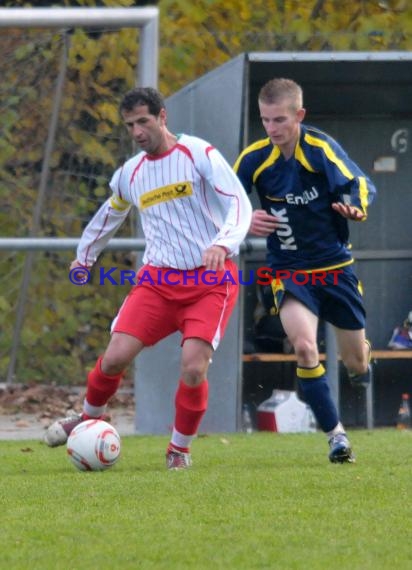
<point>315,390</point>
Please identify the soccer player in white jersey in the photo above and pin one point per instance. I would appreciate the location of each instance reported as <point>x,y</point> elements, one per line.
<point>195,214</point>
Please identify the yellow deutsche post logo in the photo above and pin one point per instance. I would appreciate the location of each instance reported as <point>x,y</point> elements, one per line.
<point>165,193</point>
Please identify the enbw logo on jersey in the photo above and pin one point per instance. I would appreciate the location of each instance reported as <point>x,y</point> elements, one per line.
<point>304,198</point>
<point>284,229</point>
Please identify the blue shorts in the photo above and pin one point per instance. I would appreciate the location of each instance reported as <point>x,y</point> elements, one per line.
<point>333,296</point>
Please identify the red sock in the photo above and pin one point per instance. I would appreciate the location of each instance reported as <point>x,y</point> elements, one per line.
<point>191,405</point>
<point>101,386</point>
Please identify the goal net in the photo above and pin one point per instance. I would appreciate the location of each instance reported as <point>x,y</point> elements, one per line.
<point>60,141</point>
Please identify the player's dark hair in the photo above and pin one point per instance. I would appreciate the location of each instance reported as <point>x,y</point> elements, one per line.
<point>143,96</point>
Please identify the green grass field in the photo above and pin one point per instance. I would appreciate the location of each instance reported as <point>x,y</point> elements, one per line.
<point>249,502</point>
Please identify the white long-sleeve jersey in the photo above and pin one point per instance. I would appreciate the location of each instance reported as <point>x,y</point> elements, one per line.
<point>189,199</point>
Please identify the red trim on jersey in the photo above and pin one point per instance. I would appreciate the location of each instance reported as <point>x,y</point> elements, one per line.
<point>208,150</point>
<point>177,146</point>
<point>231,196</point>
<point>184,149</point>
<point>137,168</point>
<point>95,239</point>
<point>118,183</point>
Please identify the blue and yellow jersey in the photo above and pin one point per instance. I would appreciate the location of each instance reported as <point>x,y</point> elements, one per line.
<point>299,192</point>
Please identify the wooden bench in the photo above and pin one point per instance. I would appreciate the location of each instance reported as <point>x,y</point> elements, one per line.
<point>262,357</point>
<point>279,357</point>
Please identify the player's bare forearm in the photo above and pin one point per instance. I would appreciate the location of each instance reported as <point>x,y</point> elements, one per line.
<point>349,212</point>
<point>214,258</point>
<point>263,224</point>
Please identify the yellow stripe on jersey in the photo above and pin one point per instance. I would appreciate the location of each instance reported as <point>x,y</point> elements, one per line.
<point>165,194</point>
<point>330,154</point>
<point>118,204</point>
<point>328,268</point>
<point>278,290</point>
<point>255,146</point>
<point>363,195</point>
<point>316,372</point>
<point>271,159</point>
<point>363,188</point>
<point>275,199</point>
<point>299,155</point>
<point>274,155</point>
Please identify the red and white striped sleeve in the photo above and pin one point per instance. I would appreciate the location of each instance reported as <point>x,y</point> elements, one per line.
<point>103,225</point>
<point>233,200</point>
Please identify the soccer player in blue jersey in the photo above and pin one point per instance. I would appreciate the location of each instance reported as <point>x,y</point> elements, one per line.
<point>308,189</point>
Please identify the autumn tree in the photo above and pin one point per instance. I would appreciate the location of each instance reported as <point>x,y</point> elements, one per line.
<point>65,326</point>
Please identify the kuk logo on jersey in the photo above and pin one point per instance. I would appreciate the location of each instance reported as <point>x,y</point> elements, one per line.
<point>284,230</point>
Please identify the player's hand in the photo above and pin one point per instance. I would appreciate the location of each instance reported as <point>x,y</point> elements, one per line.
<point>348,211</point>
<point>75,263</point>
<point>214,258</point>
<point>263,224</point>
<point>79,273</point>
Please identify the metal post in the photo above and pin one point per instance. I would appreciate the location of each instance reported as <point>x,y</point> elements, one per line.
<point>370,424</point>
<point>28,262</point>
<point>242,291</point>
<point>53,17</point>
<point>332,364</point>
<point>147,19</point>
<point>148,60</point>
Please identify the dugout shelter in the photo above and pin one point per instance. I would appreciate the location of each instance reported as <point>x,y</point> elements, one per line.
<point>363,100</point>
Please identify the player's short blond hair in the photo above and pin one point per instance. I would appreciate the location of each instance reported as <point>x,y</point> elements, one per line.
<point>278,89</point>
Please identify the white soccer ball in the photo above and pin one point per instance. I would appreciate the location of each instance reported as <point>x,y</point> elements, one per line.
<point>93,445</point>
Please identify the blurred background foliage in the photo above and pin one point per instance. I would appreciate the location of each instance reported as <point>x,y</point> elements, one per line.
<point>65,327</point>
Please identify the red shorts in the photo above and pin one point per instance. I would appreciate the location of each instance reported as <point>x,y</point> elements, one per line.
<point>198,303</point>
